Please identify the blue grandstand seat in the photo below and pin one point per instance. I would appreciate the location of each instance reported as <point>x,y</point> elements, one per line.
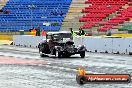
<point>26,14</point>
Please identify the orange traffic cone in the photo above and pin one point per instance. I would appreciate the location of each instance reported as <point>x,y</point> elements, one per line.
<point>43,32</point>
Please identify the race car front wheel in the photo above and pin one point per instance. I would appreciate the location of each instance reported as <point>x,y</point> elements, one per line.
<point>42,55</point>
<point>82,54</point>
<point>58,54</point>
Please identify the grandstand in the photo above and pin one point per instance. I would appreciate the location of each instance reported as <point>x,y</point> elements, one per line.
<point>102,15</point>
<point>72,17</point>
<point>96,16</point>
<point>26,14</point>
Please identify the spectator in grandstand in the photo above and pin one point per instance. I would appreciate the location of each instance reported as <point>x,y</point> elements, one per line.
<point>61,13</point>
<point>109,6</point>
<point>51,13</point>
<point>46,23</point>
<point>7,12</point>
<point>1,11</point>
<point>81,32</point>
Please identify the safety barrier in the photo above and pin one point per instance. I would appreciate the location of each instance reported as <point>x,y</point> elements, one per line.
<point>93,44</point>
<point>27,40</point>
<point>106,45</point>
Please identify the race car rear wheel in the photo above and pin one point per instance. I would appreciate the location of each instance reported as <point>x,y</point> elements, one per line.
<point>82,54</point>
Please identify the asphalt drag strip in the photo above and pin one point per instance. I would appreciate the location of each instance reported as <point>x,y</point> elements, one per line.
<point>24,68</point>
<point>16,61</point>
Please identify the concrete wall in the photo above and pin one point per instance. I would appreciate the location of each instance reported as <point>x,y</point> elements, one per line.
<point>110,45</point>
<point>27,40</point>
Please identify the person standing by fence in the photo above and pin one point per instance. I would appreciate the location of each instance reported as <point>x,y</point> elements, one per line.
<point>38,31</point>
<point>72,32</point>
<point>81,32</point>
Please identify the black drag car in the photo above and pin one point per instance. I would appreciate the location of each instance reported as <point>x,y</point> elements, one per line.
<point>61,45</point>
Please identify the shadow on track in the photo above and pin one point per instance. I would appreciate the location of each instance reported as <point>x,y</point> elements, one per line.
<point>54,57</point>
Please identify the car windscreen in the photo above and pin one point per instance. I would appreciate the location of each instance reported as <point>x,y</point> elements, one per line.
<point>59,36</point>
<point>62,35</point>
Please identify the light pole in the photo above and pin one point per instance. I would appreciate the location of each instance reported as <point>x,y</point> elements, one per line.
<point>31,7</point>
